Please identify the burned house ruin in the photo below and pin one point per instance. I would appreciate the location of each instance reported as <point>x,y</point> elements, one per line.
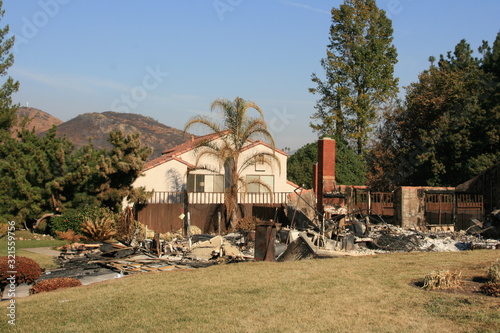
<point>420,208</point>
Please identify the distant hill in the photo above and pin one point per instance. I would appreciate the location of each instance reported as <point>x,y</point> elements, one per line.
<point>39,120</point>
<point>98,125</point>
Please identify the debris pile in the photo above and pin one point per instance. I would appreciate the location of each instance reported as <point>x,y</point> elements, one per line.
<point>288,244</point>
<point>366,238</point>
<point>363,231</point>
<point>79,260</point>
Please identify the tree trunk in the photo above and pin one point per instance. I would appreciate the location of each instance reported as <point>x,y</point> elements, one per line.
<point>231,199</point>
<point>44,216</point>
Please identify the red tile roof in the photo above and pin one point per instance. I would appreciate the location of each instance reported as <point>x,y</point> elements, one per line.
<point>260,142</point>
<point>174,152</point>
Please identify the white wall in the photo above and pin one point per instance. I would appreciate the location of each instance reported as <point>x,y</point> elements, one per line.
<point>171,176</point>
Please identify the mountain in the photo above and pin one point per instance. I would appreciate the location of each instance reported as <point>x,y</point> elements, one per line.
<point>39,120</point>
<point>98,125</point>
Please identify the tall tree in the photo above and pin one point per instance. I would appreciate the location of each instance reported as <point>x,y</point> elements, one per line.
<point>34,177</point>
<point>234,131</point>
<point>7,110</point>
<point>390,159</point>
<point>447,130</point>
<point>491,66</point>
<point>119,168</point>
<point>359,72</point>
<point>45,175</point>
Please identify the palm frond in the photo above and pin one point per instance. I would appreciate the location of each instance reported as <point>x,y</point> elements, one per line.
<point>234,130</point>
<point>259,182</point>
<point>269,159</point>
<point>208,167</point>
<point>203,121</point>
<point>258,131</point>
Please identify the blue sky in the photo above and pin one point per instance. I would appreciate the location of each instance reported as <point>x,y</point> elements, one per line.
<point>170,59</point>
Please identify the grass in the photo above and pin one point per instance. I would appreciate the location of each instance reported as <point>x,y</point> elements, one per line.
<point>363,294</point>
<point>30,241</point>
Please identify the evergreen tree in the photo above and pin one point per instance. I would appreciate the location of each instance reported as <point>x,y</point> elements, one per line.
<point>447,130</point>
<point>119,168</point>
<point>491,102</point>
<point>33,172</point>
<point>7,110</point>
<point>45,175</point>
<point>359,72</point>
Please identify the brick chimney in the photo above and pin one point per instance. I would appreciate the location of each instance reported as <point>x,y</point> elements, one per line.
<point>324,172</point>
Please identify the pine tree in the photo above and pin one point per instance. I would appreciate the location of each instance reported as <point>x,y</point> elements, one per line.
<point>7,110</point>
<point>119,168</point>
<point>34,175</point>
<point>448,129</point>
<point>359,72</point>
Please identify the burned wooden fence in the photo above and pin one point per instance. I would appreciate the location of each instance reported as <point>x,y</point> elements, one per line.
<point>166,211</point>
<point>379,203</point>
<point>455,209</point>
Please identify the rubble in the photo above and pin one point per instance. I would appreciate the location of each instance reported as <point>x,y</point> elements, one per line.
<point>367,237</point>
<point>215,247</point>
<point>79,260</point>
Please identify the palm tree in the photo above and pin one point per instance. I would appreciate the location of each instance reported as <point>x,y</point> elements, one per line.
<point>234,130</point>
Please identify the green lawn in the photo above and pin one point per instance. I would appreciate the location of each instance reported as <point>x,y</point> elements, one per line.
<point>29,241</point>
<point>351,294</point>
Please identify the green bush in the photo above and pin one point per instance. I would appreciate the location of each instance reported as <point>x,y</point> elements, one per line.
<point>70,220</point>
<point>74,219</point>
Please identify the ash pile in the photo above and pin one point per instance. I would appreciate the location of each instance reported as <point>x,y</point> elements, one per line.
<point>310,235</point>
<point>361,238</point>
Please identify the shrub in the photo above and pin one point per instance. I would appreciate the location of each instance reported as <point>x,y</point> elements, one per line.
<point>442,280</point>
<point>494,272</point>
<point>69,236</point>
<point>53,284</point>
<point>68,221</point>
<point>27,271</point>
<point>73,219</point>
<point>491,289</point>
<point>98,229</point>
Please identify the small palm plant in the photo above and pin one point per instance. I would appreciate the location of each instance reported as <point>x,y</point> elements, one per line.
<point>234,131</point>
<point>98,228</point>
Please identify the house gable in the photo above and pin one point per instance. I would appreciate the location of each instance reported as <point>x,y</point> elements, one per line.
<point>169,172</point>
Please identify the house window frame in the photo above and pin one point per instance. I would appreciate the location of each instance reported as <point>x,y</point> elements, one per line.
<point>197,183</point>
<point>251,188</point>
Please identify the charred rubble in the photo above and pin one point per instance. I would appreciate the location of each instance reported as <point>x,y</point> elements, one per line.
<point>362,234</point>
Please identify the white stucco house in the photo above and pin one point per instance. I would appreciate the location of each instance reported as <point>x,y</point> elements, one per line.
<point>175,172</point>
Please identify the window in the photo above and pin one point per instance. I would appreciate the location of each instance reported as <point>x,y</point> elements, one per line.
<point>255,183</point>
<point>205,183</point>
<point>259,164</point>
